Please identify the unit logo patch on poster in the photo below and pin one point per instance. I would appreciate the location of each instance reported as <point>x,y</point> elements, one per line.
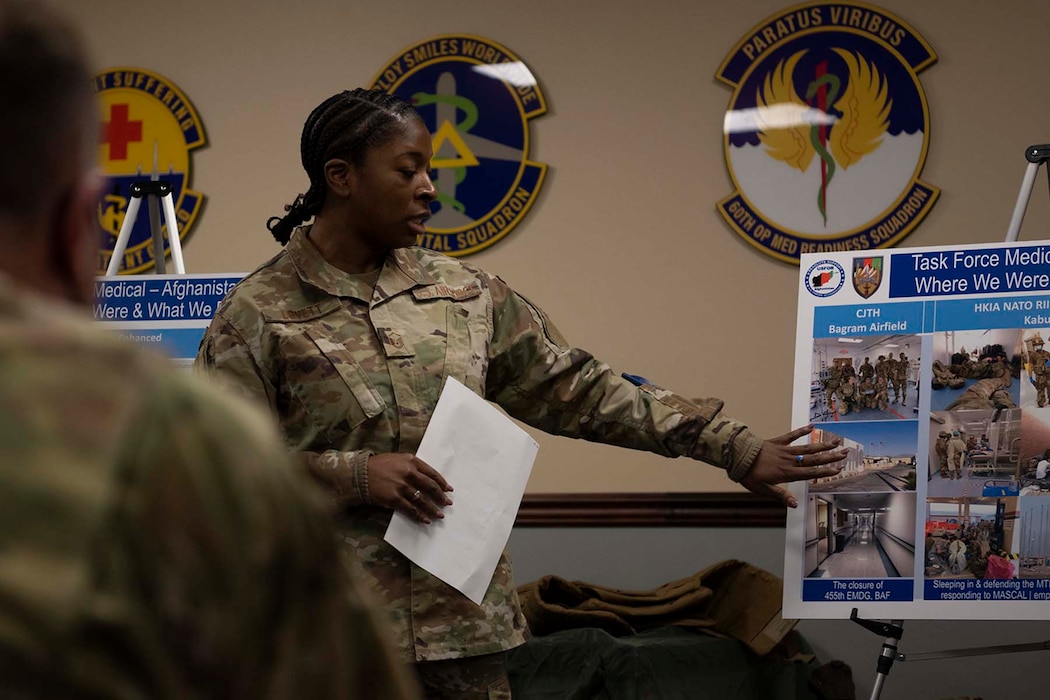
<point>867,275</point>
<point>827,131</point>
<point>476,98</point>
<point>145,121</point>
<point>824,278</point>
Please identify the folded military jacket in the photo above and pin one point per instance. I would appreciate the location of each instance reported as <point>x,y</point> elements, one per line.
<point>729,599</point>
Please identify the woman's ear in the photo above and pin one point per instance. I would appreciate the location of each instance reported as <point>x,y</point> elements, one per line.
<point>338,175</point>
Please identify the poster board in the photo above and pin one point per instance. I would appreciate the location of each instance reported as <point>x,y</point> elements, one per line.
<point>166,313</point>
<point>901,532</point>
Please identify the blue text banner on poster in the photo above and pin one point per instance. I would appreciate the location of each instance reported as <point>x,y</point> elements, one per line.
<point>970,271</point>
<point>987,589</point>
<point>890,590</point>
<point>167,313</point>
<point>867,319</point>
<point>991,312</point>
<point>160,298</point>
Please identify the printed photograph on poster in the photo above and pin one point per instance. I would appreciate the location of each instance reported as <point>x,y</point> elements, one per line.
<point>1034,466</point>
<point>880,457</point>
<point>860,535</point>
<point>976,369</point>
<point>974,453</point>
<point>864,377</point>
<point>1034,538</point>
<point>1035,384</point>
<point>970,538</point>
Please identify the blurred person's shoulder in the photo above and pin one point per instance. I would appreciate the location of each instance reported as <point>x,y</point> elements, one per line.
<point>87,390</point>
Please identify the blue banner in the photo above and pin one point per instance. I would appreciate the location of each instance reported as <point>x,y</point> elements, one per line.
<point>160,297</point>
<point>167,313</point>
<point>970,271</point>
<point>863,590</point>
<point>991,312</point>
<point>987,589</point>
<point>868,319</point>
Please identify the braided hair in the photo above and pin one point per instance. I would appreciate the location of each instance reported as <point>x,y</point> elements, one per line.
<point>345,125</point>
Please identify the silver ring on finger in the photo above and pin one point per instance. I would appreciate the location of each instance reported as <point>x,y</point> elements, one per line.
<point>798,460</point>
<point>416,495</point>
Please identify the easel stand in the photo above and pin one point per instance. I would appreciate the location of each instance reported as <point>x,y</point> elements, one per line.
<point>1036,156</point>
<point>155,190</point>
<point>892,631</point>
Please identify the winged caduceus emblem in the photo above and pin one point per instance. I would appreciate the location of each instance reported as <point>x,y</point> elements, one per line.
<point>838,141</point>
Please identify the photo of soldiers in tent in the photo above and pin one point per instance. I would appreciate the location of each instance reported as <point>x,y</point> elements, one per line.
<point>974,370</point>
<point>971,538</point>
<point>864,378</point>
<point>880,457</point>
<point>974,453</point>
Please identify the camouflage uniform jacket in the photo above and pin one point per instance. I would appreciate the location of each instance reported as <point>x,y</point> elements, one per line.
<point>155,542</point>
<point>352,371</point>
<point>1039,358</point>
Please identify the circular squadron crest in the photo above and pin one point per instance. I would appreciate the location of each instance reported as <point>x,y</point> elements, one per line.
<point>827,131</point>
<point>476,98</point>
<point>148,129</point>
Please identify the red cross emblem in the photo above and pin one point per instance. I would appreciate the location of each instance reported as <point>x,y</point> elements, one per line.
<point>119,131</point>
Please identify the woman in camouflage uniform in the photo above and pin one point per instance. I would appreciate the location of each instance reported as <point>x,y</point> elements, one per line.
<point>348,335</point>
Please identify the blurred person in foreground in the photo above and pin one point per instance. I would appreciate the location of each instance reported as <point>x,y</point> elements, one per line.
<point>154,540</point>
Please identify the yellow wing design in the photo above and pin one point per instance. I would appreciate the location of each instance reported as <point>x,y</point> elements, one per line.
<point>786,143</point>
<point>865,112</point>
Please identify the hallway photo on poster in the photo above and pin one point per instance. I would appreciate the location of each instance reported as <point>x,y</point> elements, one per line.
<point>974,453</point>
<point>864,378</point>
<point>880,457</point>
<point>971,538</point>
<point>860,535</point>
<point>975,370</point>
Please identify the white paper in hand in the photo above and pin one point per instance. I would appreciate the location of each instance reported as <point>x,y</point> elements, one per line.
<point>487,460</point>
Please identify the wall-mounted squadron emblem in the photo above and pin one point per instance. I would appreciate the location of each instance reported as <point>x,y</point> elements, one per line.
<point>476,98</point>
<point>146,122</point>
<point>827,131</point>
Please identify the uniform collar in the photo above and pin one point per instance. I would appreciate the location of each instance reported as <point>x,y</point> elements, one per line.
<point>401,271</point>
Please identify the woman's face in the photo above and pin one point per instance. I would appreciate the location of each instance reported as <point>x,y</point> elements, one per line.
<point>391,191</point>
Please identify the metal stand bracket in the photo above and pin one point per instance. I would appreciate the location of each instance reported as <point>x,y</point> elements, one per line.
<point>154,190</point>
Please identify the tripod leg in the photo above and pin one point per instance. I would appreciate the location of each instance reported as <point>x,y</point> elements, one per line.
<point>122,238</point>
<point>1022,202</point>
<point>158,238</point>
<point>174,244</point>
<point>885,662</point>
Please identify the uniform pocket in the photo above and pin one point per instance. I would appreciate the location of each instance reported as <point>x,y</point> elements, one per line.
<point>334,391</point>
<point>465,348</point>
